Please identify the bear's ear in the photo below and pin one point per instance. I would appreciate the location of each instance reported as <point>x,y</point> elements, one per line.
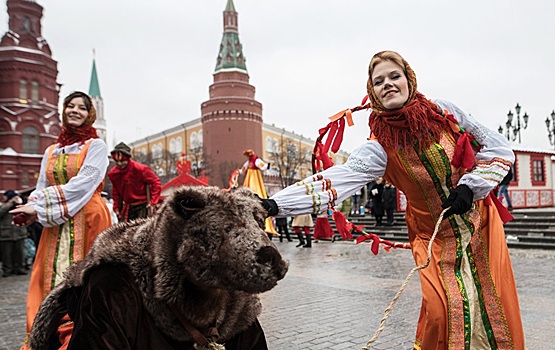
<point>188,204</point>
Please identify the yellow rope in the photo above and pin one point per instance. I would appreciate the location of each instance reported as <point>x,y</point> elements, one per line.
<point>396,297</point>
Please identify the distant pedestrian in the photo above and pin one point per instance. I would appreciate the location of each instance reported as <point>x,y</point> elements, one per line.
<point>12,238</point>
<point>389,199</point>
<point>283,229</point>
<point>357,197</point>
<point>322,227</point>
<point>303,222</point>
<point>503,188</point>
<point>377,201</point>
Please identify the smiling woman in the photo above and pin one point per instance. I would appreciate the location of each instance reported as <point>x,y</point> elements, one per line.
<point>439,157</point>
<point>67,200</point>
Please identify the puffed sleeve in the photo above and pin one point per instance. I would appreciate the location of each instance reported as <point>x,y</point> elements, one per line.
<point>322,191</point>
<point>57,204</point>
<point>42,182</point>
<point>494,159</point>
<point>262,165</point>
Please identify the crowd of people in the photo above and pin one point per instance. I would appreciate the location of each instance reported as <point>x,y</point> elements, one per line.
<point>412,148</point>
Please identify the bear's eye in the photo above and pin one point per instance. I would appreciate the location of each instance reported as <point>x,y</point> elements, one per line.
<point>228,228</point>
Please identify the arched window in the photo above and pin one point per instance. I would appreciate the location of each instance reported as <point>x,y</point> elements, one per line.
<point>194,140</point>
<point>178,145</point>
<point>172,146</point>
<point>30,140</point>
<point>35,91</point>
<point>23,89</point>
<point>269,146</point>
<point>199,138</point>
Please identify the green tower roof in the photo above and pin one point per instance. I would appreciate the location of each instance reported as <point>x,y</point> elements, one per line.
<point>230,6</point>
<point>94,88</point>
<point>231,55</point>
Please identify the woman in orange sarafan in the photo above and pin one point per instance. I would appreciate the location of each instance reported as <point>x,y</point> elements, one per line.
<point>440,157</point>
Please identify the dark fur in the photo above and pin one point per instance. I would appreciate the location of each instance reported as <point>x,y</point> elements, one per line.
<point>206,252</point>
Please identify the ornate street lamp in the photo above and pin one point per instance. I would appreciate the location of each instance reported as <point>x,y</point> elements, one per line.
<point>551,128</point>
<point>512,130</point>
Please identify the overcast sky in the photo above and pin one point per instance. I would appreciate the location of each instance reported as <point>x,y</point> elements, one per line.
<point>307,58</point>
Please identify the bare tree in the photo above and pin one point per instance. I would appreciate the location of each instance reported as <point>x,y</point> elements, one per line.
<point>197,162</point>
<point>288,158</point>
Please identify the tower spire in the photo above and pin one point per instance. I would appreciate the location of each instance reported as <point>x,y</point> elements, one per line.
<point>94,93</point>
<point>230,57</point>
<point>94,87</point>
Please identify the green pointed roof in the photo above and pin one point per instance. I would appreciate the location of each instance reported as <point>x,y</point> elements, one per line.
<point>231,55</point>
<point>230,6</point>
<point>94,88</point>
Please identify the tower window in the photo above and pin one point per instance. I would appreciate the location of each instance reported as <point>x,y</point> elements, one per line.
<point>30,140</point>
<point>23,89</point>
<point>35,91</point>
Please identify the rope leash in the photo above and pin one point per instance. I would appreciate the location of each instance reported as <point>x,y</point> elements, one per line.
<point>396,297</point>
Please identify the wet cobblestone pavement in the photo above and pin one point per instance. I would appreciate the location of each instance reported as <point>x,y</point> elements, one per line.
<point>334,296</point>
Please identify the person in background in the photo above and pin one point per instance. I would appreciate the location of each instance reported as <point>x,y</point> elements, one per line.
<point>252,169</point>
<point>322,227</point>
<point>135,188</point>
<point>12,237</point>
<point>503,189</point>
<point>389,200</point>
<point>376,193</point>
<point>66,202</point>
<point>283,229</point>
<point>357,197</point>
<point>445,162</point>
<point>303,222</point>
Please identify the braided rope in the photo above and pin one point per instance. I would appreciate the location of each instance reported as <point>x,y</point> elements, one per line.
<point>396,297</point>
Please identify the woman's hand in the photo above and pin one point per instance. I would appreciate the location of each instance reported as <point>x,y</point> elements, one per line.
<point>23,215</point>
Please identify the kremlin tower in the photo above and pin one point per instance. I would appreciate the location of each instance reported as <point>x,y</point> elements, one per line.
<point>231,118</point>
<point>29,120</point>
<point>94,93</point>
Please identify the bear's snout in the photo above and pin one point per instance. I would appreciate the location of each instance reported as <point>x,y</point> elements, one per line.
<point>271,256</point>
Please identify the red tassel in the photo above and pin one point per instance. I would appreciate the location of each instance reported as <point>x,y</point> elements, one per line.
<point>464,154</point>
<point>321,156</point>
<point>338,136</point>
<point>341,224</point>
<point>504,213</point>
<point>375,246</point>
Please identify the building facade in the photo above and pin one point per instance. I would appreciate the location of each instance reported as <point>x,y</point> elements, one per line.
<point>29,92</point>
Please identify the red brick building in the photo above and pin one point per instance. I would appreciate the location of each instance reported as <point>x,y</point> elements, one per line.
<point>29,92</point>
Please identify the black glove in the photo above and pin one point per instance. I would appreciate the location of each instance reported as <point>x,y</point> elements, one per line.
<point>270,205</point>
<point>460,200</point>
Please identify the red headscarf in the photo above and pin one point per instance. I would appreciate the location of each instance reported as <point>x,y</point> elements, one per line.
<point>71,134</point>
<point>418,120</point>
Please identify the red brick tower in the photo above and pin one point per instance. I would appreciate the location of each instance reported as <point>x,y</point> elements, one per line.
<point>231,118</point>
<point>29,119</point>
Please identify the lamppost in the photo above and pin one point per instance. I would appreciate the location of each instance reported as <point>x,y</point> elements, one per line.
<point>551,128</point>
<point>514,127</point>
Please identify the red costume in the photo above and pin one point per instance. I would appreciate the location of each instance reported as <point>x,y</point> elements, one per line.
<point>129,187</point>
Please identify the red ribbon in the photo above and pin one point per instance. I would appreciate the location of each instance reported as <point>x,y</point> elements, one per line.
<point>342,224</point>
<point>464,154</point>
<point>504,213</point>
